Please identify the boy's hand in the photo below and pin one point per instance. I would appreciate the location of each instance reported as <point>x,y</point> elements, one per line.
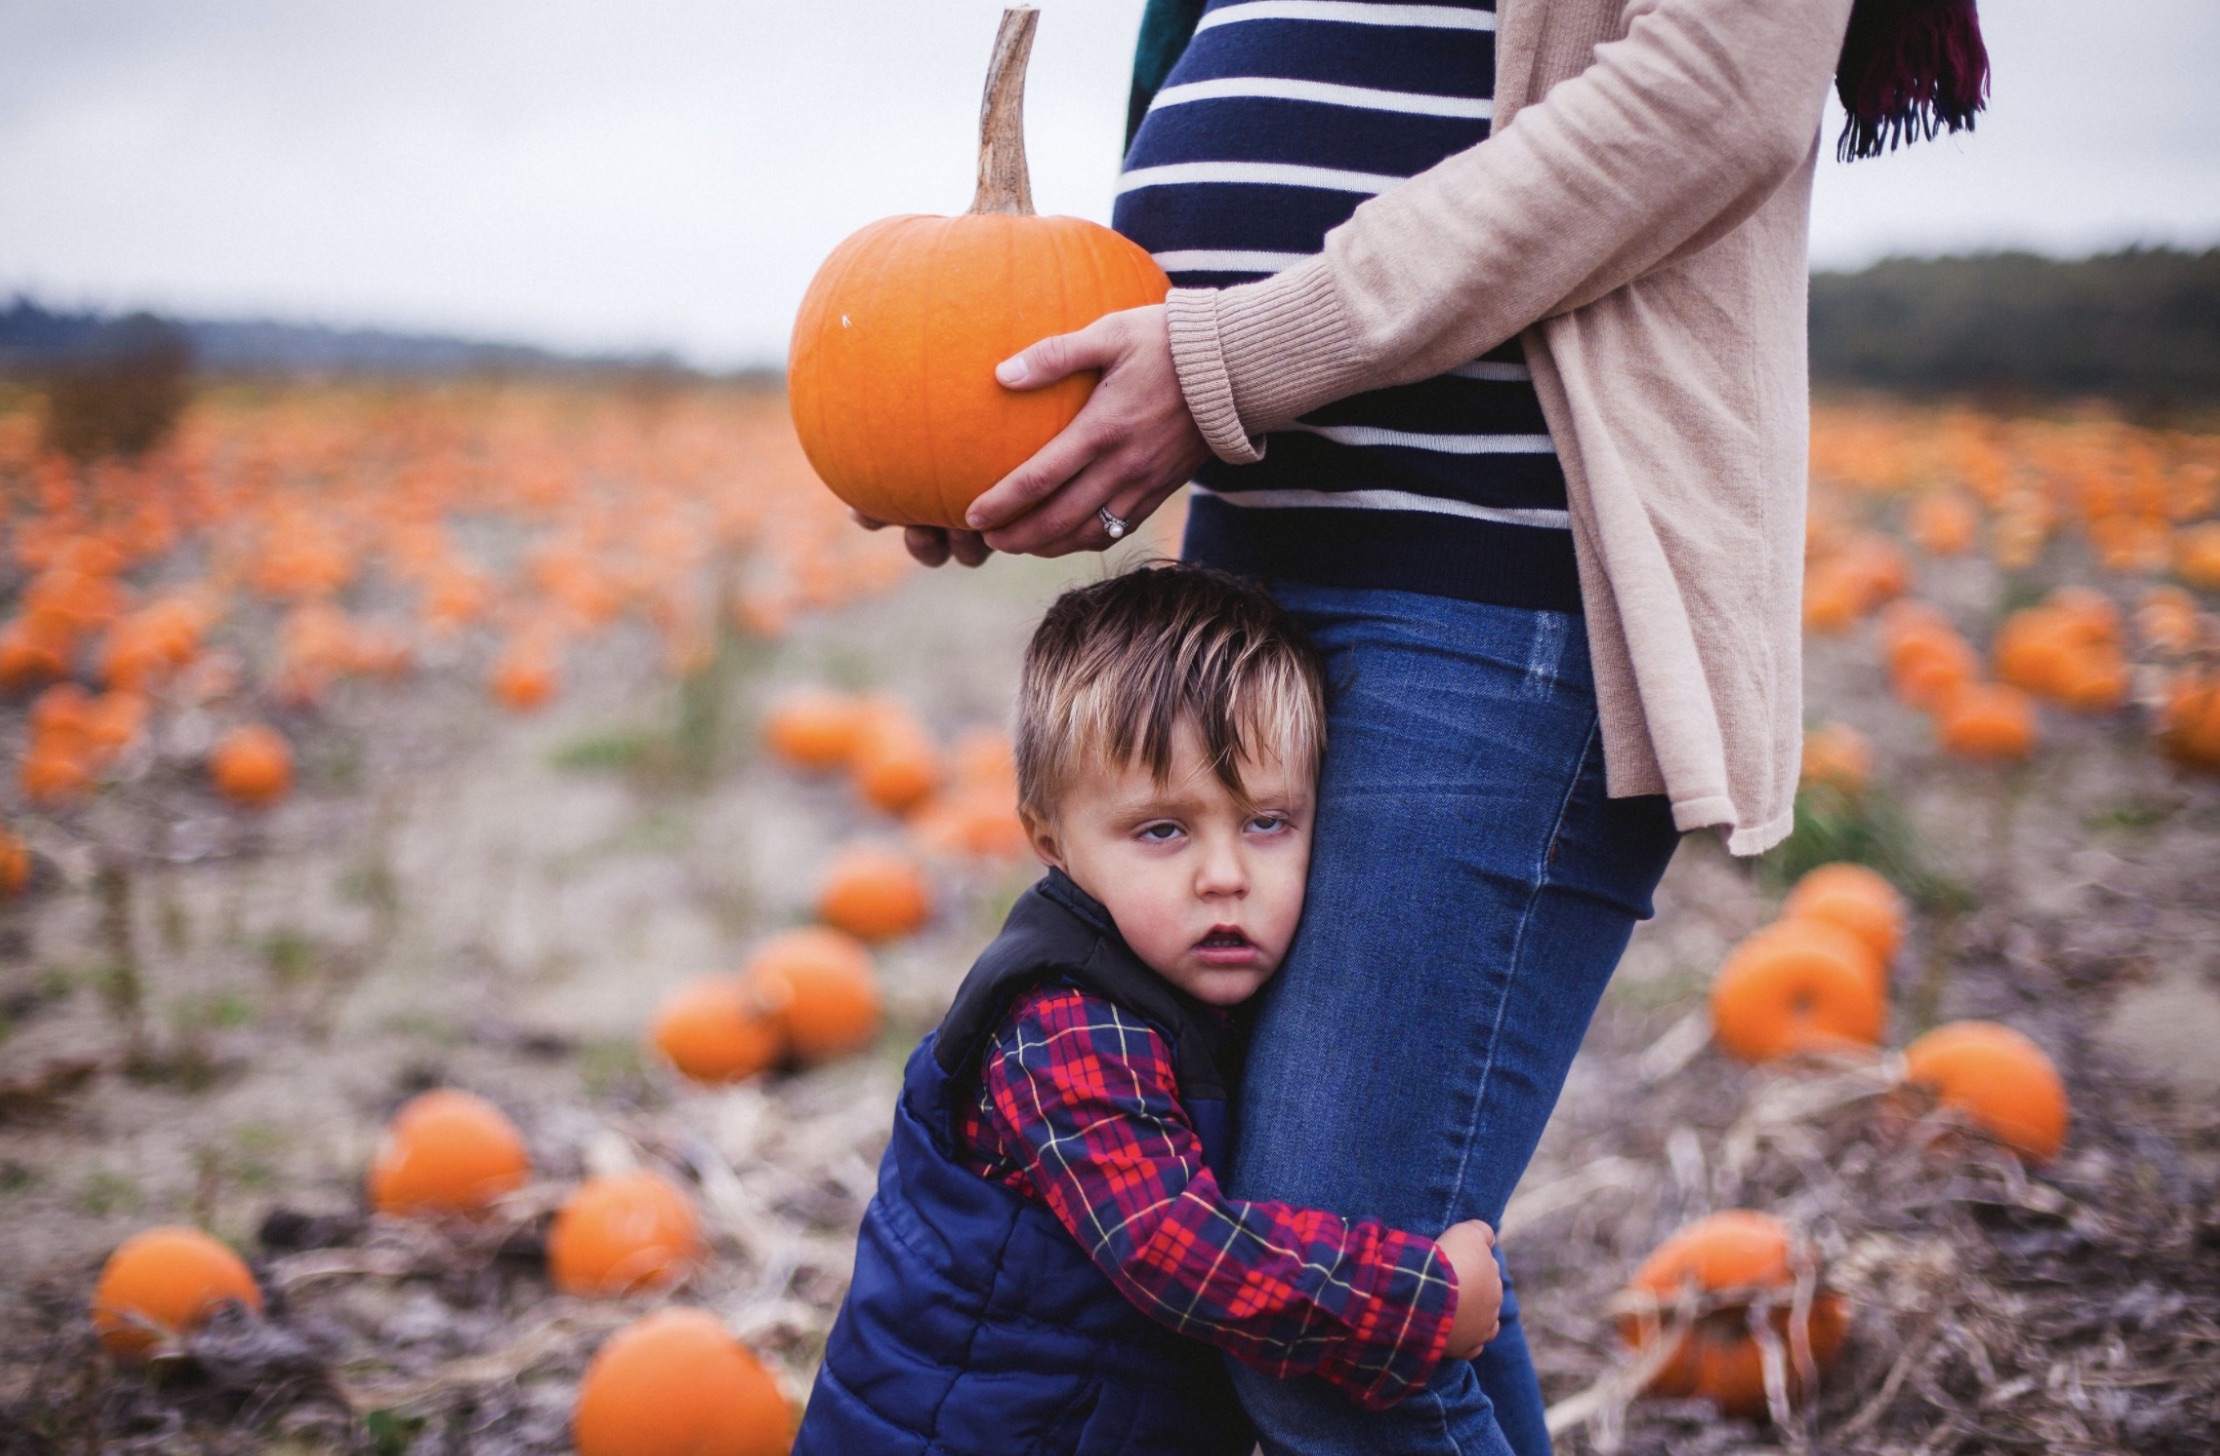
<point>1470,1249</point>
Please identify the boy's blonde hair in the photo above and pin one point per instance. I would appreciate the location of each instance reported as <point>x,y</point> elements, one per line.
<point>1115,666</point>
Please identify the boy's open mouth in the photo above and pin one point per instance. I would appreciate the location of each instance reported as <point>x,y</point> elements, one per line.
<point>1224,938</point>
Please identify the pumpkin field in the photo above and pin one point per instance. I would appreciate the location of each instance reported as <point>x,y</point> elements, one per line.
<point>476,856</point>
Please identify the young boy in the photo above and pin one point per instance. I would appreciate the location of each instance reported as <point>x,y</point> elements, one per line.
<point>1050,1256</point>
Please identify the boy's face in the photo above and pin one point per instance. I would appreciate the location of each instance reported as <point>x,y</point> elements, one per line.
<point>1206,892</point>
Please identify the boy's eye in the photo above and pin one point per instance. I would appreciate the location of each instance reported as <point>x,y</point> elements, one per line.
<point>1157,833</point>
<point>1268,824</point>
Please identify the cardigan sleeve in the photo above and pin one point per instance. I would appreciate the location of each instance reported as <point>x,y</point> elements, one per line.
<point>1673,136</point>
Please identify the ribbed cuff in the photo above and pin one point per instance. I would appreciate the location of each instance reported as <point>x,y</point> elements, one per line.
<point>1191,315</point>
<point>1285,346</point>
<point>1253,357</point>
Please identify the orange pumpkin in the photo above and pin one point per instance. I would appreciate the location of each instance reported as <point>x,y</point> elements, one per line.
<point>1838,755</point>
<point>1798,986</point>
<point>974,823</point>
<point>160,1284</point>
<point>2002,1082</point>
<point>1987,721</point>
<point>621,1232</point>
<point>1856,898</point>
<point>252,765</point>
<point>821,987</point>
<point>814,728</point>
<point>874,894</point>
<point>446,1151</point>
<point>1927,664</point>
<point>15,863</point>
<point>524,677</point>
<point>2166,619</point>
<point>34,648</point>
<point>2197,555</point>
<point>891,379</point>
<point>1944,523</point>
<point>1728,1260</point>
<point>2189,727</point>
<point>676,1383</point>
<point>715,1030</point>
<point>894,762</point>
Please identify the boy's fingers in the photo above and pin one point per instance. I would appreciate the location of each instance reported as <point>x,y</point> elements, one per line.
<point>869,523</point>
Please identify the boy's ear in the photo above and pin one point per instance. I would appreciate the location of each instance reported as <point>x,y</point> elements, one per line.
<point>1041,834</point>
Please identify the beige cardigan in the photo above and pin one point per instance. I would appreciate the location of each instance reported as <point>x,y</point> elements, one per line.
<point>1640,214</point>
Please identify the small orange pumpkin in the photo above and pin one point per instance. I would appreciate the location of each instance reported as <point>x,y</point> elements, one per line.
<point>1944,522</point>
<point>715,1030</point>
<point>894,761</point>
<point>814,728</point>
<point>821,987</point>
<point>1729,1259</point>
<point>676,1383</point>
<point>1998,1078</point>
<point>2166,619</point>
<point>162,1283</point>
<point>1837,755</point>
<point>621,1232</point>
<point>2197,555</point>
<point>252,765</point>
<point>891,379</point>
<point>446,1152</point>
<point>524,678</point>
<point>874,894</point>
<point>1798,986</point>
<point>1856,898</point>
<point>2189,727</point>
<point>15,863</point>
<point>1987,721</point>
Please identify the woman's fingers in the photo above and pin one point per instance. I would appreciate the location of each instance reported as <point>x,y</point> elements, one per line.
<point>928,544</point>
<point>969,547</point>
<point>1060,356</point>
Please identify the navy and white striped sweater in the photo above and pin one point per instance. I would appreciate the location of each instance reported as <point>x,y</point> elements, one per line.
<point>1279,119</point>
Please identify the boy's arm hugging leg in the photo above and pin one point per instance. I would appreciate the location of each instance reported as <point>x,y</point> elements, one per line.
<point>1082,1096</point>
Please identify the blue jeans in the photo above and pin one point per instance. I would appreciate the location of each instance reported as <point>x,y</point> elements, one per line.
<point>1471,890</point>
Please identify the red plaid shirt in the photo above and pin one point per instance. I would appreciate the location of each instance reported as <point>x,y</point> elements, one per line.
<point>1078,1109</point>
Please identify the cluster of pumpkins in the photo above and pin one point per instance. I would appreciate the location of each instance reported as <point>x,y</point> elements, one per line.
<point>811,993</point>
<point>1815,982</point>
<point>228,566</point>
<point>2141,499</point>
<point>673,1383</point>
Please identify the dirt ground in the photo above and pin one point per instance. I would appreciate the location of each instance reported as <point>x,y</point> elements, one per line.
<point>215,1034</point>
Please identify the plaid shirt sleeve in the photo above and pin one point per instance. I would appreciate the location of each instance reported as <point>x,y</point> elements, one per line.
<point>1079,1109</point>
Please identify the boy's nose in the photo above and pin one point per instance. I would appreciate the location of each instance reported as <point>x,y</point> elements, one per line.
<point>1222,873</point>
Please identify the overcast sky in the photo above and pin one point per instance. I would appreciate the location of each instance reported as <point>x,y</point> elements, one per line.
<point>668,173</point>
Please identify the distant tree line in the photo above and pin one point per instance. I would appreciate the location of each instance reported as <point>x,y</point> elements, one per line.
<point>2140,327</point>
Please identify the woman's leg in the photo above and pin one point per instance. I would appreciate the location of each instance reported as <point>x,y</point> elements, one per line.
<point>1471,890</point>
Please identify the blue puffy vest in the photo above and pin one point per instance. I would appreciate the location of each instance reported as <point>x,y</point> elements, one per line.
<point>975,1325</point>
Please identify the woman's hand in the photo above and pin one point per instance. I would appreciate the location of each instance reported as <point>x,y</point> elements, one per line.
<point>931,545</point>
<point>1131,445</point>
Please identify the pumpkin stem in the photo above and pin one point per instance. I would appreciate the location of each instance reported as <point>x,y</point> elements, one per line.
<point>1004,185</point>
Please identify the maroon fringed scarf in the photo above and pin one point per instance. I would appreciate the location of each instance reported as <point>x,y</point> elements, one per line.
<point>1909,69</point>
